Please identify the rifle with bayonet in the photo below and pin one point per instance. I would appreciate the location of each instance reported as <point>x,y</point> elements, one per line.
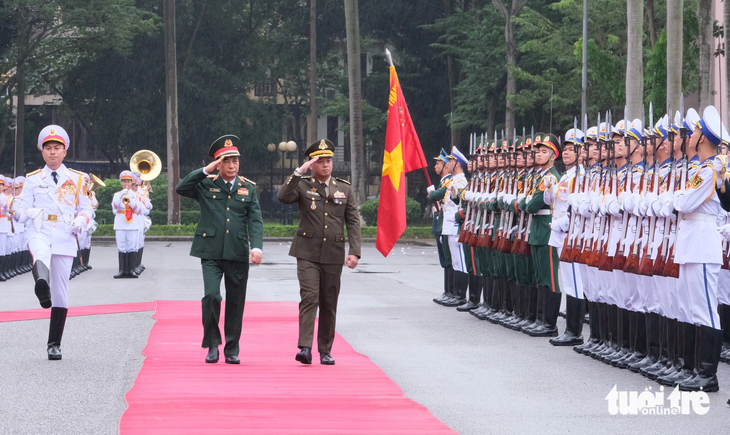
<point>525,249</point>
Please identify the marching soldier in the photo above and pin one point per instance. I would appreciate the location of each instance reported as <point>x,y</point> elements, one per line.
<point>327,205</point>
<point>56,212</point>
<point>229,235</point>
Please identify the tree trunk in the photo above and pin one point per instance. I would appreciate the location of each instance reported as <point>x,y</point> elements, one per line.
<point>650,21</point>
<point>173,149</point>
<point>491,112</point>
<point>189,51</point>
<point>358,166</point>
<point>706,43</point>
<point>19,151</point>
<point>312,134</point>
<point>511,51</point>
<point>453,74</point>
<point>726,20</point>
<point>675,44</point>
<point>634,59</point>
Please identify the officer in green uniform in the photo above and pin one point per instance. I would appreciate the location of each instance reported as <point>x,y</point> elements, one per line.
<point>545,257</point>
<point>327,204</point>
<point>230,221</point>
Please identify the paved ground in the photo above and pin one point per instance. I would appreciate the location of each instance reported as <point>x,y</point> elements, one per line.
<point>477,377</point>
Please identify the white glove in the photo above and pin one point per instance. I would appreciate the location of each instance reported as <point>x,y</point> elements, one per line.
<point>78,225</point>
<point>667,209</point>
<point>643,208</point>
<point>469,195</point>
<point>595,200</point>
<point>508,198</point>
<point>521,196</point>
<point>718,165</point>
<point>622,198</point>
<point>725,232</point>
<point>548,182</point>
<point>561,224</point>
<point>630,201</point>
<point>513,230</point>
<point>147,224</point>
<point>430,189</point>
<point>613,206</point>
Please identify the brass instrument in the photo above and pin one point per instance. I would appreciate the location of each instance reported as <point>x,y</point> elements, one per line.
<point>94,183</point>
<point>148,164</point>
<point>11,213</point>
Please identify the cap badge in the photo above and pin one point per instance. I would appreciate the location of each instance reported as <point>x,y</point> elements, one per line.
<point>322,145</point>
<point>229,143</point>
<point>52,132</point>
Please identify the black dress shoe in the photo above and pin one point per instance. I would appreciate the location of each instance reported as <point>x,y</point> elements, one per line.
<point>212,356</point>
<point>467,306</point>
<point>326,359</point>
<point>304,356</point>
<point>232,359</point>
<point>54,352</point>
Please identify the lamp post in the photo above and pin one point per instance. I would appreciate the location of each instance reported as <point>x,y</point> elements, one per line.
<point>272,149</point>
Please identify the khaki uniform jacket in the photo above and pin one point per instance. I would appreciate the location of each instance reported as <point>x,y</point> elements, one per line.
<point>229,221</point>
<point>321,234</point>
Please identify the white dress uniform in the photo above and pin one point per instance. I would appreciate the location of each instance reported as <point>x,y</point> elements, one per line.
<point>50,207</point>
<point>125,220</point>
<point>450,226</point>
<point>4,230</point>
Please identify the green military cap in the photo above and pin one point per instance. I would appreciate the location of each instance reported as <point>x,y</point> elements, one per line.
<point>548,140</point>
<point>518,143</point>
<point>225,146</point>
<point>320,148</point>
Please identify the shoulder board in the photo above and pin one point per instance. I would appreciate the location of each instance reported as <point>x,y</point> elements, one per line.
<point>33,173</point>
<point>75,171</point>
<point>213,176</point>
<point>246,180</point>
<point>306,177</point>
<point>343,180</point>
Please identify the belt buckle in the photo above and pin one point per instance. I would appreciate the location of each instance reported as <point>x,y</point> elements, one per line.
<point>52,218</point>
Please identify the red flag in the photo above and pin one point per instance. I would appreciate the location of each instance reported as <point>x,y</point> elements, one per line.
<point>403,154</point>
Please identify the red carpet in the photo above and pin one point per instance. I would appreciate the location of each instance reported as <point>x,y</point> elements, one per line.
<point>269,393</point>
<point>40,313</point>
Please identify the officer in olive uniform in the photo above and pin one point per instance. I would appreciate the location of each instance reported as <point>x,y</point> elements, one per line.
<point>230,222</point>
<point>327,204</point>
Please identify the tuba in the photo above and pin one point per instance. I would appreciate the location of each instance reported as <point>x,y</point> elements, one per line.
<point>148,164</point>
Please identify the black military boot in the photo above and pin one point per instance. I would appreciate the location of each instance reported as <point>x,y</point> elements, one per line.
<point>475,294</point>
<point>575,310</point>
<point>688,358</point>
<point>55,332</point>
<point>611,341</point>
<point>537,308</point>
<point>486,298</point>
<point>42,277</point>
<point>595,336</point>
<point>74,266</point>
<point>129,266</point>
<point>122,271</point>
<point>461,282</point>
<point>11,272</point>
<point>549,327</point>
<point>2,269</point>
<point>724,312</point>
<point>86,260</point>
<point>138,262</point>
<point>528,309</point>
<point>508,304</point>
<point>600,314</point>
<point>653,343</point>
<point>141,254</point>
<point>27,262</point>
<point>447,286</point>
<point>709,346</point>
<point>673,360</point>
<point>491,296</point>
<point>637,323</point>
<point>502,307</point>
<point>518,311</point>
<point>625,333</point>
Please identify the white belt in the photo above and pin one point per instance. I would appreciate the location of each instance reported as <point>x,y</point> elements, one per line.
<point>557,215</point>
<point>704,217</point>
<point>544,212</point>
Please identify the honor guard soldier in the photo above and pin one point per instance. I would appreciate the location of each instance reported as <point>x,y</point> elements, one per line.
<point>5,263</point>
<point>229,235</point>
<point>24,259</point>
<point>545,257</point>
<point>126,209</point>
<point>438,219</point>
<point>56,212</point>
<point>450,227</point>
<point>327,205</point>
<point>557,196</point>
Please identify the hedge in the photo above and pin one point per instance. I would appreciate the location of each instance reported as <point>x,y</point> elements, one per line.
<point>270,230</point>
<point>369,211</point>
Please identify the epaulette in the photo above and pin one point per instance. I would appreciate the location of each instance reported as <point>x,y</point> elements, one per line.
<point>306,177</point>
<point>343,180</point>
<point>246,180</point>
<point>33,173</point>
<point>74,170</point>
<point>213,176</point>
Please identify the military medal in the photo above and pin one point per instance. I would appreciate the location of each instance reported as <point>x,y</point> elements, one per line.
<point>313,206</point>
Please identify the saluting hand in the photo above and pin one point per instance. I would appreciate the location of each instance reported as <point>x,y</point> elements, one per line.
<point>351,260</point>
<point>305,167</point>
<point>212,166</point>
